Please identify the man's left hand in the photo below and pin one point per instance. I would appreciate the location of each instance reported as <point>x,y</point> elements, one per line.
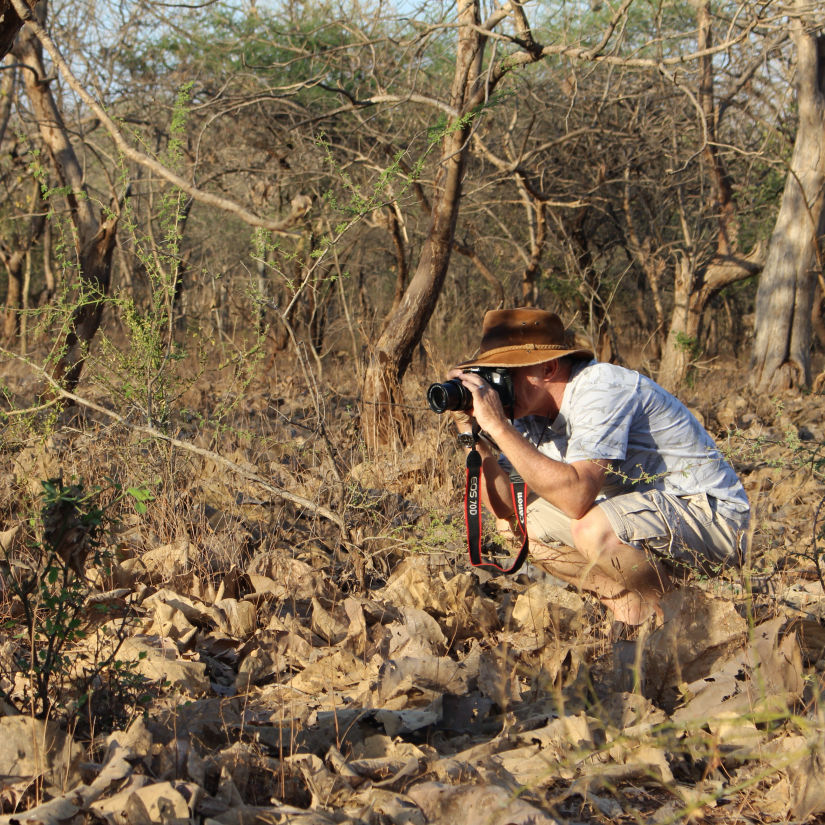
<point>487,409</point>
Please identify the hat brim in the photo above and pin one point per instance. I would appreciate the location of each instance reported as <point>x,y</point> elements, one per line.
<point>523,356</point>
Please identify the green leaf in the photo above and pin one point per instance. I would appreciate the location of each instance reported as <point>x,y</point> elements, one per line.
<point>140,495</point>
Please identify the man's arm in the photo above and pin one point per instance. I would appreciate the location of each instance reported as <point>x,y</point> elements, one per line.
<point>570,487</point>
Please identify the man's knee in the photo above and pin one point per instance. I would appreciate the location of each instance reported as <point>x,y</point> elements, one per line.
<point>593,533</point>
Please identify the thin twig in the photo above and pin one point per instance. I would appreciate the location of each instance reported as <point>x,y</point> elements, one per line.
<point>26,411</point>
<point>218,459</point>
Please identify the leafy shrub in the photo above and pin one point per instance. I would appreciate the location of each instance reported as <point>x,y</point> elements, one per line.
<point>55,651</point>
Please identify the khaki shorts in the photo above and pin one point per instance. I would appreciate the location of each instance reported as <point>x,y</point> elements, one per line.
<point>680,530</point>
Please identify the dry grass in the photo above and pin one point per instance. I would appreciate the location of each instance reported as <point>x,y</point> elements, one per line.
<point>346,674</point>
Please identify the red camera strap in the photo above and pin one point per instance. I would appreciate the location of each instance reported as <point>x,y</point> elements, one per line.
<point>472,515</point>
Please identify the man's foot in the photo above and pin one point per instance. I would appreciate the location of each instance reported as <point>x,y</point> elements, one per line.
<point>629,607</point>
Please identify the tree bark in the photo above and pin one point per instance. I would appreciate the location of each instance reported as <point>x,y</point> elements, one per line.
<point>781,357</point>
<point>94,239</point>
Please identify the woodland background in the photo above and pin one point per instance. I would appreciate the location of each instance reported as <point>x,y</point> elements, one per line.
<point>238,242</point>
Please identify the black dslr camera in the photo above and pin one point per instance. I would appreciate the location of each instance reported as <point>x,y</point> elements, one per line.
<point>453,395</point>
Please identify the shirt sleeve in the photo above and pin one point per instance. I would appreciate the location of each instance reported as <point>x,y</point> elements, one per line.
<point>600,417</point>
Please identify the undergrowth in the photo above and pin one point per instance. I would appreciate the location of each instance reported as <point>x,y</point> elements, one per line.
<point>55,655</point>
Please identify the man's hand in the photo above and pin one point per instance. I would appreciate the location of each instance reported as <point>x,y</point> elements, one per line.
<point>487,409</point>
<point>463,422</point>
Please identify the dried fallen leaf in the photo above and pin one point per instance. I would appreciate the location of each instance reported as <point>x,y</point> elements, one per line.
<point>56,811</point>
<point>475,805</point>
<point>33,748</point>
<point>698,634</point>
<point>159,662</point>
<point>160,564</point>
<point>807,795</point>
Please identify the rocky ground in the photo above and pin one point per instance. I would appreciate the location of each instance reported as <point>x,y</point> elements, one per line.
<point>234,657</point>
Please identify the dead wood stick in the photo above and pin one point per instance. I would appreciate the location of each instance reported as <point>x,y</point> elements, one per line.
<point>217,458</point>
<point>278,492</point>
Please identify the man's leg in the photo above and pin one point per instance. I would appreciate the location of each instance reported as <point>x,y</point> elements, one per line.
<point>613,550</point>
<point>570,565</point>
<point>627,580</point>
<point>593,558</point>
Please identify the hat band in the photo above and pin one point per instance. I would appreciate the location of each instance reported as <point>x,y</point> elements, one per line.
<point>525,347</point>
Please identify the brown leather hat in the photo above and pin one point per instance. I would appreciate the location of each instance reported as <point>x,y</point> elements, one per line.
<point>522,337</point>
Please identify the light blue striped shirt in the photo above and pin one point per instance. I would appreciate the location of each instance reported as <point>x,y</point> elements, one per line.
<point>651,438</point>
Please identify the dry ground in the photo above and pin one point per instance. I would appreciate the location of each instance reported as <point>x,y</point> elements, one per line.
<point>239,658</point>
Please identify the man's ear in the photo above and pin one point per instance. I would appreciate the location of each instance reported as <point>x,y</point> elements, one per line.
<point>551,368</point>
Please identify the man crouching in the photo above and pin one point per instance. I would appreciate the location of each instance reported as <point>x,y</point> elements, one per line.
<point>626,486</point>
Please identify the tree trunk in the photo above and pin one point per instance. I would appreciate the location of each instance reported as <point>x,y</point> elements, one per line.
<point>14,295</point>
<point>680,343</point>
<point>50,287</point>
<point>817,320</point>
<point>95,270</point>
<point>401,266</point>
<point>10,24</point>
<point>94,239</point>
<point>781,356</point>
<point>692,291</point>
<point>8,80</point>
<point>383,418</point>
<point>538,239</point>
<point>694,285</point>
<point>15,255</point>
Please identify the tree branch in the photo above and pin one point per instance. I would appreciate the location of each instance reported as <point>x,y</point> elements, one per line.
<point>206,198</point>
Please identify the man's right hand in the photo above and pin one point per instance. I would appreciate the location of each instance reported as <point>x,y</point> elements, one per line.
<point>487,410</point>
<point>463,421</point>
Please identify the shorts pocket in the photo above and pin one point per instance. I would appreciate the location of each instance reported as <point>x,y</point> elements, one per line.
<point>640,518</point>
<point>700,508</point>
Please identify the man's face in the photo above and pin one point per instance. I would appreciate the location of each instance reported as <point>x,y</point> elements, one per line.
<point>531,391</point>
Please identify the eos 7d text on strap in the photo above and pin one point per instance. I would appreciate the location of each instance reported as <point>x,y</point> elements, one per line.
<point>472,508</point>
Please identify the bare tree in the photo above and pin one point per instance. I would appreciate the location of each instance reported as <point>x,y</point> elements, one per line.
<point>94,233</point>
<point>781,356</point>
<point>383,418</point>
<point>695,283</point>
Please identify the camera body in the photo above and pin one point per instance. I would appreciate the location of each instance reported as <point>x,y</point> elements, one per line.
<point>453,395</point>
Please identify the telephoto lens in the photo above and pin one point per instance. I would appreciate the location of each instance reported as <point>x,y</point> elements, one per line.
<point>451,395</point>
